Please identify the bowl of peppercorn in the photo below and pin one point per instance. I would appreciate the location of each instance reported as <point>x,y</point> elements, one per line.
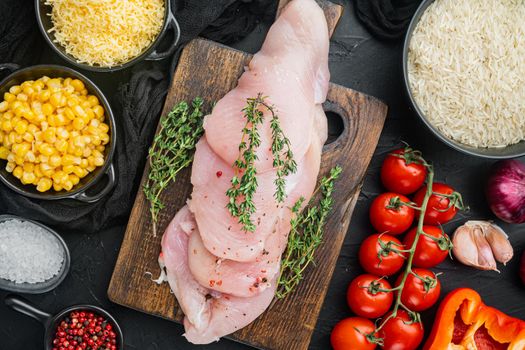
<point>86,327</point>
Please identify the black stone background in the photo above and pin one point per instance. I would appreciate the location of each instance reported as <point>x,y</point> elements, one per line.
<point>358,61</point>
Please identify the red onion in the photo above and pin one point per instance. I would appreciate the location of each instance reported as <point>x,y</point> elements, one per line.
<point>506,191</point>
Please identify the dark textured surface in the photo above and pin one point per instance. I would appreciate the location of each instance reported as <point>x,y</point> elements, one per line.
<point>357,61</point>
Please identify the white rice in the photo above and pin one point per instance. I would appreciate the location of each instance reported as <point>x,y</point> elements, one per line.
<point>466,69</point>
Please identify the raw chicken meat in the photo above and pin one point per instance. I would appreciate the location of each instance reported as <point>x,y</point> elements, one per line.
<point>209,315</point>
<point>222,276</point>
<point>292,70</point>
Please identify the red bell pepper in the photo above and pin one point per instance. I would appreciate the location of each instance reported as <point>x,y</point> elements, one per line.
<point>464,322</point>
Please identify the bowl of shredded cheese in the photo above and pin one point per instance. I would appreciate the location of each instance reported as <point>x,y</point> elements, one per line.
<point>107,35</point>
<point>464,73</point>
<point>57,135</point>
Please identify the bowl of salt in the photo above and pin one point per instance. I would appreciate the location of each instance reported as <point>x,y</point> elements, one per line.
<point>33,258</point>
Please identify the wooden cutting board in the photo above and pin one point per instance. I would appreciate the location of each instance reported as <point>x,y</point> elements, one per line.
<point>210,70</point>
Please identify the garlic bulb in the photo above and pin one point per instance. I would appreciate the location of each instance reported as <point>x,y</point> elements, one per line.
<point>480,244</point>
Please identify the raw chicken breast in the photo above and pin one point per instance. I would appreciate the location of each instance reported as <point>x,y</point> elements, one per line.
<point>209,315</point>
<point>221,233</point>
<point>189,293</point>
<point>292,70</point>
<point>222,276</point>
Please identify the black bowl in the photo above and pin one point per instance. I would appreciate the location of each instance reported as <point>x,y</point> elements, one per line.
<point>150,53</point>
<point>511,151</point>
<point>79,192</point>
<point>51,322</point>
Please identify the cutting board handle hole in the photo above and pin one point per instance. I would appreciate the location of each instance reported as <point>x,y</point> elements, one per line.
<point>336,126</point>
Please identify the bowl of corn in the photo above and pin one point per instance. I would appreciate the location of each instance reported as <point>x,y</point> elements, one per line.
<point>57,135</point>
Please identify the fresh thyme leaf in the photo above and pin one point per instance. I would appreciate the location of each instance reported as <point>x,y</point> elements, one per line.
<point>306,234</point>
<point>172,151</point>
<point>241,192</point>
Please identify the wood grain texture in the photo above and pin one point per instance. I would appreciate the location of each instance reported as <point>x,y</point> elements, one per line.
<point>332,12</point>
<point>210,70</point>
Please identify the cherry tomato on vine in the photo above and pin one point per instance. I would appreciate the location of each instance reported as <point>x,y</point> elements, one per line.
<point>389,214</point>
<point>403,172</point>
<point>403,332</point>
<point>430,251</point>
<point>378,256</point>
<point>420,293</point>
<point>442,205</point>
<point>366,296</point>
<point>354,333</point>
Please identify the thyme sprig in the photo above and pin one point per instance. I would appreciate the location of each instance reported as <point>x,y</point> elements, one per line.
<point>243,187</point>
<point>172,151</point>
<point>306,234</point>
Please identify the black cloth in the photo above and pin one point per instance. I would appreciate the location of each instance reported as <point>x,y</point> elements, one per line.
<point>136,106</point>
<point>386,19</point>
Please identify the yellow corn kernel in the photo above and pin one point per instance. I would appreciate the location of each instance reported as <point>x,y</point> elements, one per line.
<point>43,159</point>
<point>59,177</point>
<point>68,169</point>
<point>91,168</point>
<point>60,119</point>
<point>93,100</point>
<point>21,149</point>
<point>67,185</point>
<point>67,81</point>
<point>99,111</point>
<point>44,95</point>
<point>61,146</point>
<point>68,159</point>
<point>18,172</point>
<point>50,135</point>
<point>38,171</point>
<point>12,137</point>
<point>8,115</point>
<point>55,160</point>
<point>47,108</point>
<point>99,161</point>
<point>68,112</point>
<point>29,167</point>
<point>44,79</point>
<point>28,137</point>
<point>4,105</point>
<point>21,97</point>
<point>56,99</point>
<point>80,172</point>
<point>79,111</point>
<point>30,157</point>
<point>21,127</point>
<point>74,179</point>
<point>62,133</point>
<point>78,151</point>
<point>104,138</point>
<point>38,137</point>
<point>84,92</point>
<point>68,90</point>
<point>4,152</point>
<point>57,187</point>
<point>84,163</point>
<point>79,123</point>
<point>90,114</point>
<point>15,89</point>
<point>10,166</point>
<point>19,160</point>
<point>38,85</point>
<point>44,184</point>
<point>77,84</point>
<point>18,138</point>
<point>9,97</point>
<point>46,149</point>
<point>100,148</point>
<point>28,178</point>
<point>32,128</point>
<point>39,118</point>
<point>103,127</point>
<point>44,125</point>
<point>7,125</point>
<point>85,105</point>
<point>86,153</point>
<point>54,83</point>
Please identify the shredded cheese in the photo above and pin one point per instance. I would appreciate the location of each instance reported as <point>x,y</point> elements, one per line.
<point>106,33</point>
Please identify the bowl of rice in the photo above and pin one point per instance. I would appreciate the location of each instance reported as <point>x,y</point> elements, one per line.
<point>108,35</point>
<point>464,72</point>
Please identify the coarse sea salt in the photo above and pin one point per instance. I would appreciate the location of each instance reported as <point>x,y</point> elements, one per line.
<point>28,253</point>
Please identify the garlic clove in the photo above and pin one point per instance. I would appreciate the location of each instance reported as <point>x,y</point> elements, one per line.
<point>472,248</point>
<point>499,242</point>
